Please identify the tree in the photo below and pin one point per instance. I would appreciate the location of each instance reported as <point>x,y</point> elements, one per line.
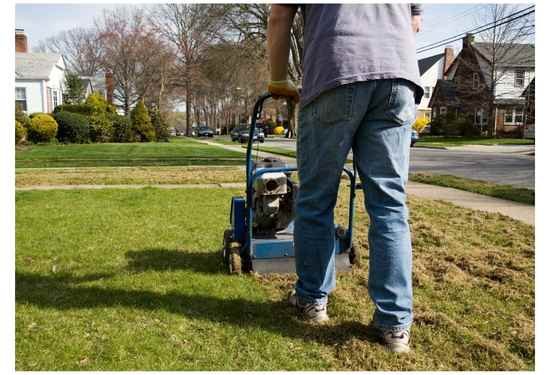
<point>80,48</point>
<point>141,123</point>
<point>75,89</point>
<point>189,28</point>
<point>131,52</point>
<point>500,40</point>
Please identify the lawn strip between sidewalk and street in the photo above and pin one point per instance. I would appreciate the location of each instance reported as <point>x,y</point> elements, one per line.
<point>119,279</point>
<point>508,192</point>
<point>444,142</point>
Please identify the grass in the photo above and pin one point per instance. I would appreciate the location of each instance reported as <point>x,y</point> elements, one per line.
<point>182,151</point>
<point>512,193</point>
<point>442,142</point>
<point>129,175</point>
<point>131,279</point>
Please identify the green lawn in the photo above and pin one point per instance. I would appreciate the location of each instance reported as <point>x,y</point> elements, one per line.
<point>132,280</point>
<point>182,151</point>
<point>512,193</point>
<point>442,142</point>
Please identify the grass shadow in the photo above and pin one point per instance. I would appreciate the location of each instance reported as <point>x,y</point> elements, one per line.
<point>160,259</point>
<point>64,293</point>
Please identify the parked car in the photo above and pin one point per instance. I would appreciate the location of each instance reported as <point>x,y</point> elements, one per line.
<point>414,137</point>
<point>258,135</point>
<point>204,131</point>
<point>234,133</point>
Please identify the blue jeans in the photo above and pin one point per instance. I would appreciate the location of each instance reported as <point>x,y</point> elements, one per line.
<point>374,119</point>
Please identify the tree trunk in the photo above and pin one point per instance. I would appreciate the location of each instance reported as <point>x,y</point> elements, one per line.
<point>187,110</point>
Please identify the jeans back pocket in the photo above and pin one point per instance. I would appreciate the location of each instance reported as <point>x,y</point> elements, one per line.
<point>401,104</point>
<point>335,105</point>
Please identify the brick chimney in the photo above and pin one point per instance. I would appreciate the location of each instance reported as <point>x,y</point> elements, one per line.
<point>109,86</point>
<point>21,44</point>
<point>448,59</point>
<point>467,40</point>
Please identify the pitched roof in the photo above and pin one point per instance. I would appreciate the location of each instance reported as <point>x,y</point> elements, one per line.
<point>427,62</point>
<point>530,89</point>
<point>445,90</point>
<point>35,65</point>
<point>508,54</point>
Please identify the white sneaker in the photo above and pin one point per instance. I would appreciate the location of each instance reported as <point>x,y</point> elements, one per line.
<point>397,341</point>
<point>313,312</point>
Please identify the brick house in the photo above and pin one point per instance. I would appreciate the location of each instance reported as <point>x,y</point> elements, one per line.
<point>466,91</point>
<point>431,69</point>
<point>529,95</point>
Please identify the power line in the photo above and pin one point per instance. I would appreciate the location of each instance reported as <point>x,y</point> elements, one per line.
<point>461,36</point>
<point>476,30</point>
<point>453,19</point>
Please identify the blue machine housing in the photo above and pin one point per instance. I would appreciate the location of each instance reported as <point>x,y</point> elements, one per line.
<point>281,245</point>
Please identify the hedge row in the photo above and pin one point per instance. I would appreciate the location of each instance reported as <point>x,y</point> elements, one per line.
<point>93,121</point>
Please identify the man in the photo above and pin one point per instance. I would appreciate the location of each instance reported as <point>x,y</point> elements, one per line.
<point>360,86</point>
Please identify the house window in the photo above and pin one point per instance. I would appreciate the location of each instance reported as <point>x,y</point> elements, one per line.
<point>442,111</point>
<point>475,81</point>
<point>519,78</point>
<point>21,98</point>
<point>513,116</point>
<point>427,92</point>
<point>509,116</point>
<point>519,116</point>
<point>55,98</point>
<point>480,117</point>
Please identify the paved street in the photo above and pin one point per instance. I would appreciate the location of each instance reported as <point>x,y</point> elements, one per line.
<point>502,168</point>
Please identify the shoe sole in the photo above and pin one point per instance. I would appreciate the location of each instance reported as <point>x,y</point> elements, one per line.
<point>398,348</point>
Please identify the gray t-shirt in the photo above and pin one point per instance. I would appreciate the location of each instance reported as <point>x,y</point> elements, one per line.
<point>346,43</point>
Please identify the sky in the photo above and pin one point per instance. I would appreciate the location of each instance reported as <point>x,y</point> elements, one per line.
<point>439,20</point>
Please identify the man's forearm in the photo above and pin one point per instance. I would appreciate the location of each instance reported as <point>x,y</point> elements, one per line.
<point>278,40</point>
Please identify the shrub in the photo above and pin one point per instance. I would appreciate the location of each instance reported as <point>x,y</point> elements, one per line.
<point>43,128</point>
<point>34,114</point>
<point>20,133</point>
<point>22,118</point>
<point>141,123</point>
<point>99,104</point>
<point>73,127</point>
<point>161,127</point>
<point>420,124</point>
<point>82,109</point>
<point>101,129</point>
<point>279,130</point>
<point>122,128</point>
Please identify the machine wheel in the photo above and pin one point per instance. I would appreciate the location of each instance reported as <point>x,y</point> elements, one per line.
<point>227,234</point>
<point>235,261</point>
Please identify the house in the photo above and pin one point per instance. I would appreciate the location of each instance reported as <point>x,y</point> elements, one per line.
<point>431,69</point>
<point>467,89</point>
<point>529,95</point>
<point>101,82</point>
<point>39,77</point>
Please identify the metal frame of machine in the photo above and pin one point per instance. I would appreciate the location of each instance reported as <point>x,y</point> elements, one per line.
<point>246,250</point>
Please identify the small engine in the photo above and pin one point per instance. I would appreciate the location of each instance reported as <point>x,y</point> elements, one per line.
<point>273,199</point>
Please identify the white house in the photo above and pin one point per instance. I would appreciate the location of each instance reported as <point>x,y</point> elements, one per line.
<point>39,78</point>
<point>431,69</point>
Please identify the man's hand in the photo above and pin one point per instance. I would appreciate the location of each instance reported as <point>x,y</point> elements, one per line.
<point>285,89</point>
<point>416,23</point>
